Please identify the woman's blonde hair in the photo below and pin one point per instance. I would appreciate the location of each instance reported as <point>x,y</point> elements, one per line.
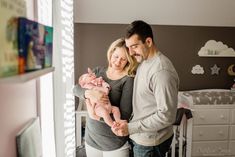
<point>132,64</point>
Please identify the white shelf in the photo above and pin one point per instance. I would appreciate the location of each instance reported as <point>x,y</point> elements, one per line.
<point>216,55</point>
<point>26,76</point>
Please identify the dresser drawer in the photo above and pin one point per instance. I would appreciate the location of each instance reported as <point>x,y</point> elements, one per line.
<point>217,148</point>
<point>214,132</point>
<point>232,133</point>
<point>233,116</point>
<point>211,116</point>
<point>232,147</point>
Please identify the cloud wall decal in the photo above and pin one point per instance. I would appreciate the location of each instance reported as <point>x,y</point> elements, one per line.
<point>197,69</point>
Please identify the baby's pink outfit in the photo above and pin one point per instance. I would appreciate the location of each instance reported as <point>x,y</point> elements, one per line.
<point>90,81</point>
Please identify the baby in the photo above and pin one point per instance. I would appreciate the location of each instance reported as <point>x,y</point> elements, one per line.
<point>90,81</point>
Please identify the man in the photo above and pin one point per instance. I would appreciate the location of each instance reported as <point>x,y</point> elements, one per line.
<point>154,95</point>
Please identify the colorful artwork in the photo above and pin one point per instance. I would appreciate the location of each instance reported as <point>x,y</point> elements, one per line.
<point>9,10</point>
<point>48,46</point>
<point>31,44</point>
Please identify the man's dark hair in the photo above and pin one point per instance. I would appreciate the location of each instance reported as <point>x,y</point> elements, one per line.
<point>140,28</point>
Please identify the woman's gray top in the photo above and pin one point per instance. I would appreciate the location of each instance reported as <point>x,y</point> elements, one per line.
<point>98,134</point>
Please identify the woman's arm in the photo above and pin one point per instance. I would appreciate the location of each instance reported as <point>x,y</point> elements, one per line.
<point>88,96</point>
<point>85,96</point>
<point>78,91</point>
<point>126,99</point>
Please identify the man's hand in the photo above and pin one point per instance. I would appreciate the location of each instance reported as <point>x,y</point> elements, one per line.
<point>120,128</point>
<point>91,110</point>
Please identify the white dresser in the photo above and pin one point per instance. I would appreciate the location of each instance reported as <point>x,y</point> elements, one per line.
<point>211,131</point>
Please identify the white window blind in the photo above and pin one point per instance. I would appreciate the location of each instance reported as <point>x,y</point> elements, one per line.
<point>63,61</point>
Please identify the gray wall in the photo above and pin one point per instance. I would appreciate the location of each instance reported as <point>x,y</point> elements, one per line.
<point>180,43</point>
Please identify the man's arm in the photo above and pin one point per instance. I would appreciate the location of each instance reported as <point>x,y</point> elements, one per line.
<point>164,86</point>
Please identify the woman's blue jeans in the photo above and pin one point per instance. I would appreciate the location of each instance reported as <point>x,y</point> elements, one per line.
<point>152,151</point>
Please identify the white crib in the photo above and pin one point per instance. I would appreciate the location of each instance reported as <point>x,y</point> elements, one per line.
<point>80,113</point>
<point>180,146</point>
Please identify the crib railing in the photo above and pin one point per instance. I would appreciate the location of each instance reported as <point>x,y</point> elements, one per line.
<point>181,143</point>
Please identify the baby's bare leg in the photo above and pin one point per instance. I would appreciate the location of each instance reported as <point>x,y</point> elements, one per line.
<point>91,111</point>
<point>104,113</point>
<point>116,113</point>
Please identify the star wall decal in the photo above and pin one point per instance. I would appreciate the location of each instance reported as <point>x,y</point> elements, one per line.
<point>215,70</point>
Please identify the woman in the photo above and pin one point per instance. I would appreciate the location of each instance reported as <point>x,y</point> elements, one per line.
<point>100,141</point>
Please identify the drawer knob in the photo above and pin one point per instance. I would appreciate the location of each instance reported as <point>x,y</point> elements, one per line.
<point>200,133</point>
<point>202,117</point>
<point>222,116</point>
<point>221,133</point>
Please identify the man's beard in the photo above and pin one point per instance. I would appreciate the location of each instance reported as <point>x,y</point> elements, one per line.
<point>139,58</point>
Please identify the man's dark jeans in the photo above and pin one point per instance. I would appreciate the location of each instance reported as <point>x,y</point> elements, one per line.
<point>152,151</point>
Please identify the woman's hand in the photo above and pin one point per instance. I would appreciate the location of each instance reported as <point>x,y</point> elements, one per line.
<point>120,128</point>
<point>96,96</point>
